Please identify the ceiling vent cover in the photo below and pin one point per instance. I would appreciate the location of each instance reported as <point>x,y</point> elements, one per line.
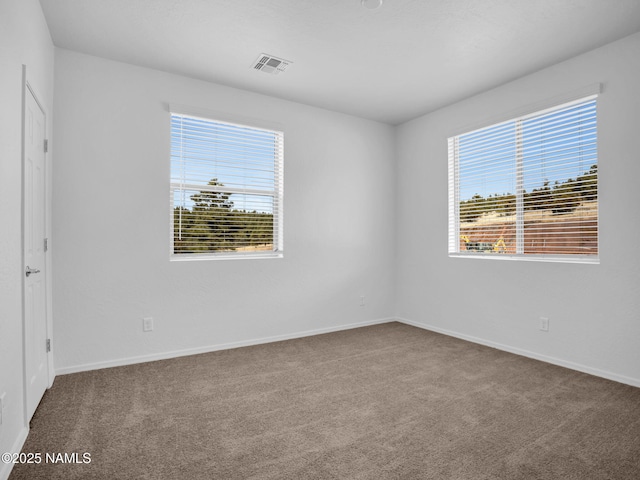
<point>269,64</point>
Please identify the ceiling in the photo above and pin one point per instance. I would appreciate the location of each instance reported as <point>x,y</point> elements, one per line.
<point>392,64</point>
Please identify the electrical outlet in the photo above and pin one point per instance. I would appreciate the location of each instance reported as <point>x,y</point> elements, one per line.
<point>147,324</point>
<point>544,324</point>
<point>362,300</point>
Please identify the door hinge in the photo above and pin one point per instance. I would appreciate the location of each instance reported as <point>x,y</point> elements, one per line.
<point>48,344</point>
<point>46,145</point>
<point>46,244</point>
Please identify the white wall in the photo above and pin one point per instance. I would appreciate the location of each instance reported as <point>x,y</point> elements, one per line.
<point>24,39</point>
<point>111,209</point>
<point>594,310</point>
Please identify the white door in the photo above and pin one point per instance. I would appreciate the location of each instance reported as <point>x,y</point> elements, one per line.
<point>35,291</point>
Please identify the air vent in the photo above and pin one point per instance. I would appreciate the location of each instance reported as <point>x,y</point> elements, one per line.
<point>270,64</point>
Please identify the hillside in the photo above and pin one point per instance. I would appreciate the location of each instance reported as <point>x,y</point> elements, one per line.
<point>544,232</point>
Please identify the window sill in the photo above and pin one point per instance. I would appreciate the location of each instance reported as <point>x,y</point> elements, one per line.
<point>190,257</point>
<point>585,259</point>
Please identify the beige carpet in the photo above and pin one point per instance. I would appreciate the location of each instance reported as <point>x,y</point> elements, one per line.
<point>382,402</point>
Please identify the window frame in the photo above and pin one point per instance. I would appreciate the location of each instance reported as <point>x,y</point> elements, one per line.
<point>586,94</point>
<point>277,193</point>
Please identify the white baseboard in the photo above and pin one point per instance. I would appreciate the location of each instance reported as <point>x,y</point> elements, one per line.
<point>212,348</point>
<point>257,341</point>
<point>5,468</point>
<point>526,353</point>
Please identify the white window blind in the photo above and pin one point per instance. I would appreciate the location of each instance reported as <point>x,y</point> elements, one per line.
<point>226,189</point>
<point>527,187</point>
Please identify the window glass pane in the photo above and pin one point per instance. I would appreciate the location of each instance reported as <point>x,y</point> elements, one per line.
<point>560,181</point>
<point>235,156</point>
<point>487,174</point>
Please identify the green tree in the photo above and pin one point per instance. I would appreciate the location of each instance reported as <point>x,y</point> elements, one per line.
<point>210,200</point>
<point>538,198</point>
<point>588,184</point>
<point>212,224</point>
<point>206,226</point>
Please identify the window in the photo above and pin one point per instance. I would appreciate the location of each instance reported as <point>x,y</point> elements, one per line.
<point>226,189</point>
<point>527,188</point>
